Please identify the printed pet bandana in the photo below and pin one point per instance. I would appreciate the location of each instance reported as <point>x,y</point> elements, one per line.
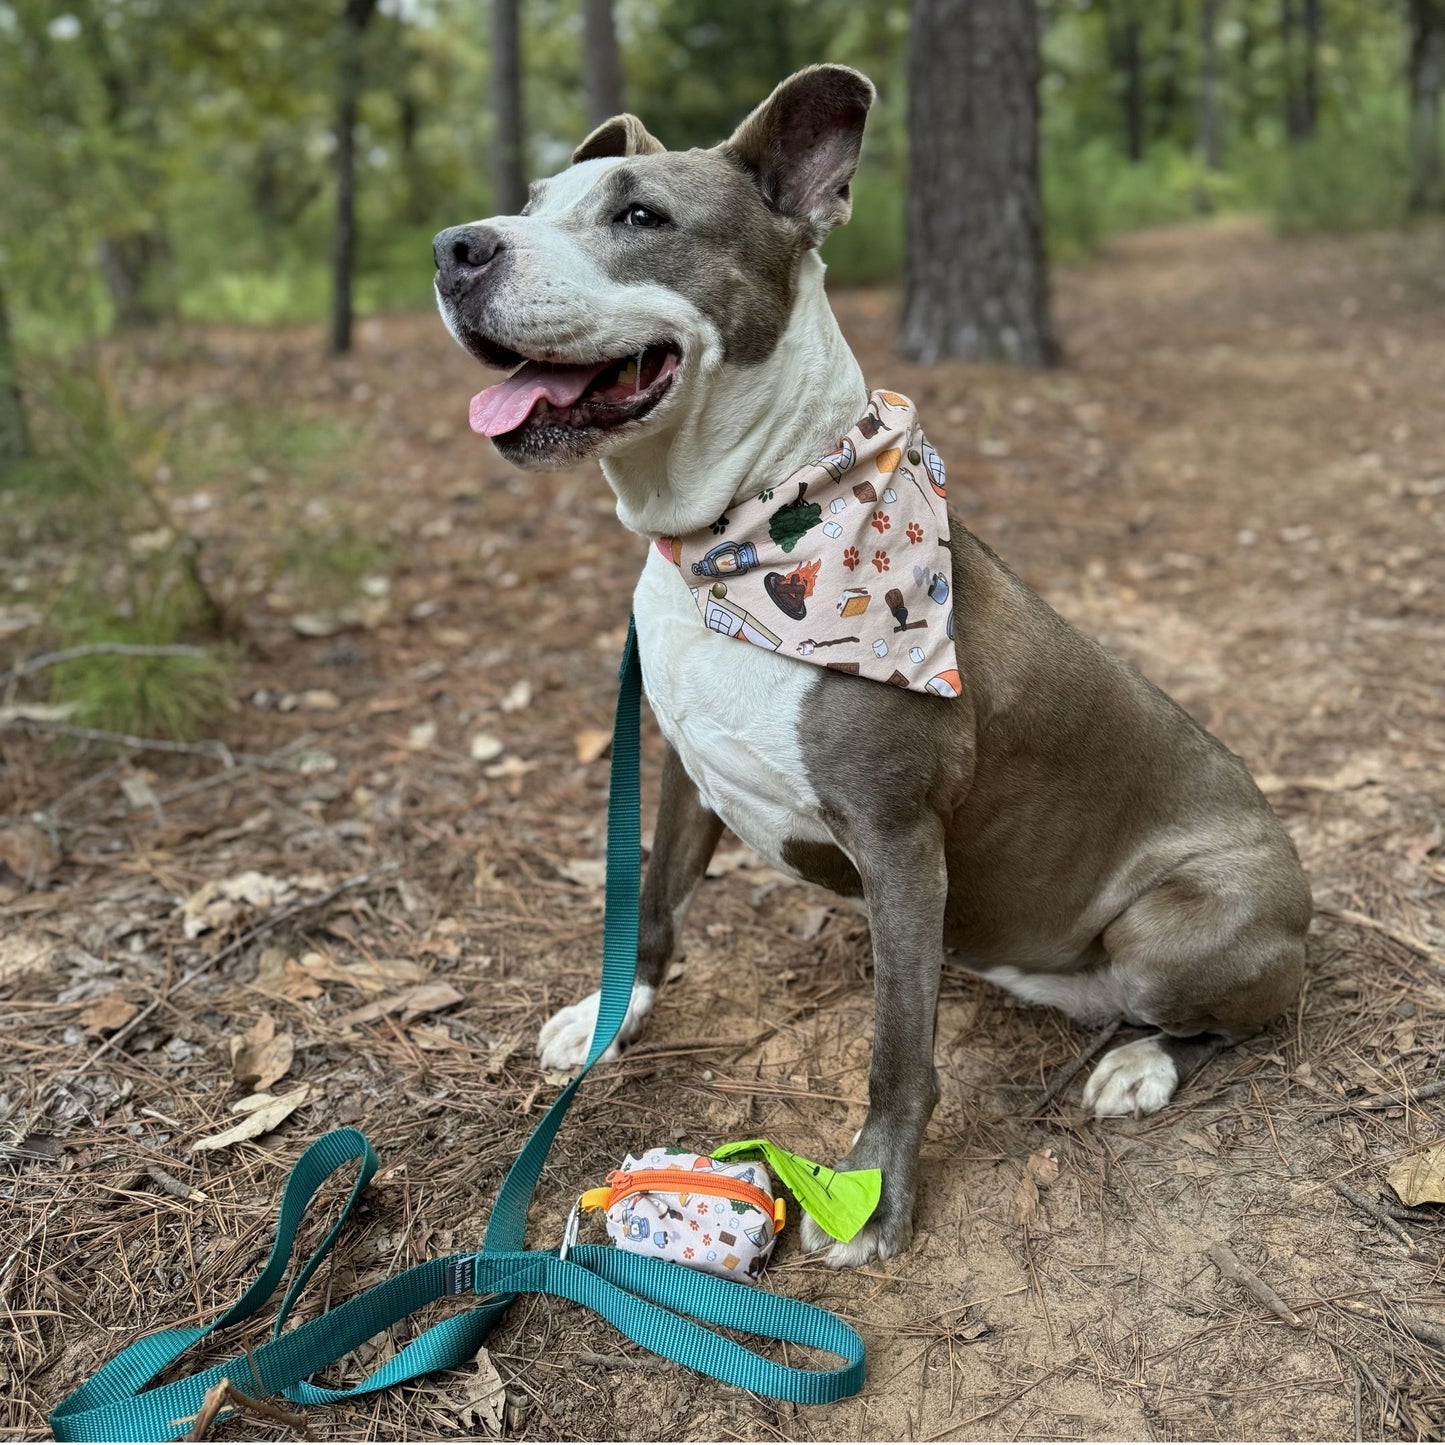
<point>844,565</point>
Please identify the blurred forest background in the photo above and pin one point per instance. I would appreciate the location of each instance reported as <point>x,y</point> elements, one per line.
<point>268,162</point>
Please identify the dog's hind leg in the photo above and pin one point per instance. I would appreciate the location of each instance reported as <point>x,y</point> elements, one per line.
<point>683,842</point>
<point>1209,956</point>
<point>905,884</point>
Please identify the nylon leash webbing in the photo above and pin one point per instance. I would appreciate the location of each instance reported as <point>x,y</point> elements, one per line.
<point>667,1308</point>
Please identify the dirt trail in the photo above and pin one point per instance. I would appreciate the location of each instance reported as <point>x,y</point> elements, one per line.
<point>1238,481</point>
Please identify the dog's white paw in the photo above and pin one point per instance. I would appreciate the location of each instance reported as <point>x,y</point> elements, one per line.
<point>868,1244</point>
<point>1134,1079</point>
<point>566,1037</point>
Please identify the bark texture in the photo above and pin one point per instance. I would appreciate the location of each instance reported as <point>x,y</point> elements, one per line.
<point>1427,83</point>
<point>356,16</point>
<point>601,63</point>
<point>976,278</point>
<point>1209,120</point>
<point>508,178</point>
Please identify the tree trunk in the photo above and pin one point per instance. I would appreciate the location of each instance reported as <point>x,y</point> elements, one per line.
<point>600,62</point>
<point>354,20</point>
<point>1300,41</point>
<point>976,278</point>
<point>14,435</point>
<point>509,182</point>
<point>1208,120</point>
<point>1175,47</point>
<point>1427,81</point>
<point>1133,88</point>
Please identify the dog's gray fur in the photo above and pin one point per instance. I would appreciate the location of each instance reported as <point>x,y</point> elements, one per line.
<point>1062,827</point>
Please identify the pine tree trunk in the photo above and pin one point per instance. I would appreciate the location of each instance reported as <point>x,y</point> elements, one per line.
<point>1427,82</point>
<point>1300,41</point>
<point>1209,125</point>
<point>1133,88</point>
<point>1310,111</point>
<point>976,278</point>
<point>1167,108</point>
<point>14,435</point>
<point>509,182</point>
<point>355,18</point>
<point>600,62</point>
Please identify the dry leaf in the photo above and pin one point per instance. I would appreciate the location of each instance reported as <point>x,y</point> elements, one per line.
<point>263,1112</point>
<point>509,768</point>
<point>421,737</point>
<point>810,923</point>
<point>431,1037</point>
<point>27,852</point>
<point>425,998</point>
<point>592,744</point>
<point>1025,1209</point>
<point>484,747</point>
<point>260,1056</point>
<point>218,904</point>
<point>1420,1178</point>
<point>730,860</point>
<point>108,1013</point>
<point>21,954</point>
<point>519,695</point>
<point>589,872</point>
<point>371,975</point>
<point>483,1398</point>
<point>281,975</point>
<point>502,1050</point>
<point>1044,1166</point>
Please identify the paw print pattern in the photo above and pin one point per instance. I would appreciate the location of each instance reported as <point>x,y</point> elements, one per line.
<point>766,496</point>
<point>688,1252</point>
<point>707,1239</point>
<point>915,533</point>
<point>850,557</point>
<point>881,521</point>
<point>720,526</point>
<point>880,561</point>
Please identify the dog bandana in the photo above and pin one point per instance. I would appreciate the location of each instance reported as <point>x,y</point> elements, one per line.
<point>844,565</point>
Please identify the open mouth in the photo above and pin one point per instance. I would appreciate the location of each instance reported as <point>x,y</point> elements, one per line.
<point>546,397</point>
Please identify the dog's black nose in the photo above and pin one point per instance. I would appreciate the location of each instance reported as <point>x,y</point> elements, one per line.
<point>465,248</point>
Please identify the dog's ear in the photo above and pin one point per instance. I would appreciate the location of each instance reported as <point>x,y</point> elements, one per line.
<point>801,145</point>
<point>623,135</point>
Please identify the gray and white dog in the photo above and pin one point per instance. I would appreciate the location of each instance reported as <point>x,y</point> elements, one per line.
<point>1062,828</point>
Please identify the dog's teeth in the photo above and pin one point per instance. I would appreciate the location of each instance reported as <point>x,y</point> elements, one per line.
<point>627,374</point>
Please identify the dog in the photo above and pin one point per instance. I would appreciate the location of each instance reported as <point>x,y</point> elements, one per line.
<point>1060,827</point>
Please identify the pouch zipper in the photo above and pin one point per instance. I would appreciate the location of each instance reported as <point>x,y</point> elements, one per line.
<point>707,1182</point>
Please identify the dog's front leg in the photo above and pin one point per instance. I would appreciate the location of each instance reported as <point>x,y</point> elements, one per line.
<point>683,842</point>
<point>905,886</point>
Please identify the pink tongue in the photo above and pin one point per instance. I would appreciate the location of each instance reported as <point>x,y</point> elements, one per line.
<point>504,407</point>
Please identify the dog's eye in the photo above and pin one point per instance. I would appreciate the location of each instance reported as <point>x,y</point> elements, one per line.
<point>641,216</point>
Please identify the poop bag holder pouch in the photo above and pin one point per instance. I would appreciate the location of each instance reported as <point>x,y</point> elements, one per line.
<point>694,1210</point>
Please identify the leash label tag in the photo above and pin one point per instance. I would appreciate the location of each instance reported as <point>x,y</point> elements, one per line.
<point>462,1275</point>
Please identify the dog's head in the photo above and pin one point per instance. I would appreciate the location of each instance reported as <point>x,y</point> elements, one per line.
<point>632,279</point>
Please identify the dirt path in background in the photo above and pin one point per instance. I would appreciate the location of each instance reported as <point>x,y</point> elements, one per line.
<point>1238,482</point>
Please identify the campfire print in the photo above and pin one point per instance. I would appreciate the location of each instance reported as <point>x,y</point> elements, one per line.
<point>790,593</point>
<point>863,518</point>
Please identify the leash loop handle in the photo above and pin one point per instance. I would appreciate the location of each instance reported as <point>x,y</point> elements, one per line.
<point>665,1307</point>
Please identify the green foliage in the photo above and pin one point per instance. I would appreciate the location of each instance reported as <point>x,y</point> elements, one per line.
<point>868,251</point>
<point>167,697</point>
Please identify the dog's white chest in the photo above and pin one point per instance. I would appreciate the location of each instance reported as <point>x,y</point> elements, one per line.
<point>733,712</point>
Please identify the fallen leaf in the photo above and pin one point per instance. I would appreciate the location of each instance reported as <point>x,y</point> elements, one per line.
<point>730,860</point>
<point>482,1399</point>
<point>319,624</point>
<point>592,744</point>
<point>810,923</point>
<point>1040,1170</point>
<point>263,1112</point>
<point>108,1013</point>
<point>21,954</point>
<point>139,793</point>
<point>1025,1209</point>
<point>425,998</point>
<point>218,904</point>
<point>589,872</point>
<point>281,975</point>
<point>502,1050</point>
<point>421,737</point>
<point>431,1037</point>
<point>1420,1178</point>
<point>1044,1166</point>
<point>484,747</point>
<point>27,852</point>
<point>519,695</point>
<point>260,1056</point>
<point>317,699</point>
<point>509,768</point>
<point>371,975</point>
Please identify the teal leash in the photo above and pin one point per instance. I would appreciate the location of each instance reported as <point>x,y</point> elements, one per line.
<point>667,1308</point>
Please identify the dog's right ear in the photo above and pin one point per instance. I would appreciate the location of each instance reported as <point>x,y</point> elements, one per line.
<point>623,135</point>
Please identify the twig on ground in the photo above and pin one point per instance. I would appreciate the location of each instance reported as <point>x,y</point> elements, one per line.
<point>224,1395</point>
<point>1382,1218</point>
<point>98,649</point>
<point>1394,1101</point>
<point>622,1362</point>
<point>1070,1072</point>
<point>211,748</point>
<point>1230,1267</point>
<point>1390,930</point>
<point>1427,1331</point>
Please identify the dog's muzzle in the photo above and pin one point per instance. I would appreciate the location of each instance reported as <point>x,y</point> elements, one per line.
<point>462,254</point>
